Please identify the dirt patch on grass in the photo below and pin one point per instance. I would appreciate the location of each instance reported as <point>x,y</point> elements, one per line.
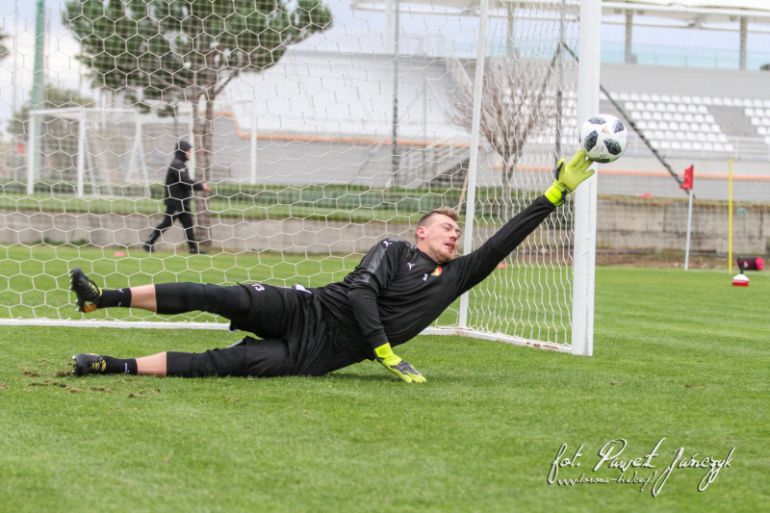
<point>669,260</point>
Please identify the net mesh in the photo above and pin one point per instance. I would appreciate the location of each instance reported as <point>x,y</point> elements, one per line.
<point>349,134</point>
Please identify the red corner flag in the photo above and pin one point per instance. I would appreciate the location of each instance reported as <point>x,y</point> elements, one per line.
<point>688,178</point>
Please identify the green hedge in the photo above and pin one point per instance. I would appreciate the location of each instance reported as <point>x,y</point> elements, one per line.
<point>69,188</point>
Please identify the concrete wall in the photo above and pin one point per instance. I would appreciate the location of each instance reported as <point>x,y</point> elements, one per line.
<point>658,226</point>
<point>107,230</point>
<point>622,225</point>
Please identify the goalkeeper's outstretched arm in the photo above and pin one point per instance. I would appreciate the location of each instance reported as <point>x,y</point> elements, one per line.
<point>478,264</point>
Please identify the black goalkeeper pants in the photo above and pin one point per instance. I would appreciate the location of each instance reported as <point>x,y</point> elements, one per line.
<point>249,357</point>
<point>298,337</point>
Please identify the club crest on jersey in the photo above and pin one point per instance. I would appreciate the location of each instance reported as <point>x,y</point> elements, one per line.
<point>436,271</point>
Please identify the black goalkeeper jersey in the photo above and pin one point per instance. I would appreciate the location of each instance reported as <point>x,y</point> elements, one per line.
<point>397,290</point>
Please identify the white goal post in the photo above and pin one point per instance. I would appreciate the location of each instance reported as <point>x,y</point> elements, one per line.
<point>350,137</point>
<point>584,252</point>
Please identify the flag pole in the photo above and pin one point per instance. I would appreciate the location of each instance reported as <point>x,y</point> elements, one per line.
<point>689,230</point>
<point>730,216</point>
<point>687,185</point>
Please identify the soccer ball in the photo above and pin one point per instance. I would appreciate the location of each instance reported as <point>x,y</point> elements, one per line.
<point>604,138</point>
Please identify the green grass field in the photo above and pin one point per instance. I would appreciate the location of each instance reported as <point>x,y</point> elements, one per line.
<point>680,355</point>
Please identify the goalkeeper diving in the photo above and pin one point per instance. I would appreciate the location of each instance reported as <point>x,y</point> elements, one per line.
<point>398,289</point>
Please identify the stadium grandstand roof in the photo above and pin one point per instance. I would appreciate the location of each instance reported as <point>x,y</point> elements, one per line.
<point>742,16</point>
<point>691,13</point>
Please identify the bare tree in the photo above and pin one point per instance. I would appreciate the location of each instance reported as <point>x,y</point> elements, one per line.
<point>517,102</point>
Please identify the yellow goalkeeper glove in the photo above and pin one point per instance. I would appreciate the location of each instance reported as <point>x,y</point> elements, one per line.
<point>568,176</point>
<point>396,365</point>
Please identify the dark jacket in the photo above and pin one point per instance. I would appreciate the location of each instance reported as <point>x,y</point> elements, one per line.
<point>179,185</point>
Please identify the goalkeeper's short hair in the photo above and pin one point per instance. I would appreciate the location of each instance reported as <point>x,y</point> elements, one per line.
<point>446,211</point>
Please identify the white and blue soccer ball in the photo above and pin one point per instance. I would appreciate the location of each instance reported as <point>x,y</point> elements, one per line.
<point>604,138</point>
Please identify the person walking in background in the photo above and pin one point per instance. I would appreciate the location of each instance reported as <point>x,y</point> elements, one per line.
<point>178,190</point>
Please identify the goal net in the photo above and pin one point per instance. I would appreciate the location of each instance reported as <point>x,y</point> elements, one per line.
<point>350,134</point>
<point>100,151</point>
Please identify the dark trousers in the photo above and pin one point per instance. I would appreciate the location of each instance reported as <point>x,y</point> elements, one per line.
<point>260,358</point>
<point>249,357</point>
<point>298,338</point>
<point>175,212</point>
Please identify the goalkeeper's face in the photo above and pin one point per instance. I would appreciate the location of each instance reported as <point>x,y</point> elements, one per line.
<point>438,238</point>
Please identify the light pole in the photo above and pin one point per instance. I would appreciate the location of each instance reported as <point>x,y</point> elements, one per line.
<point>38,81</point>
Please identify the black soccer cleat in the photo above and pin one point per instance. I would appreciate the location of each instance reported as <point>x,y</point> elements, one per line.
<point>88,363</point>
<point>87,292</point>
